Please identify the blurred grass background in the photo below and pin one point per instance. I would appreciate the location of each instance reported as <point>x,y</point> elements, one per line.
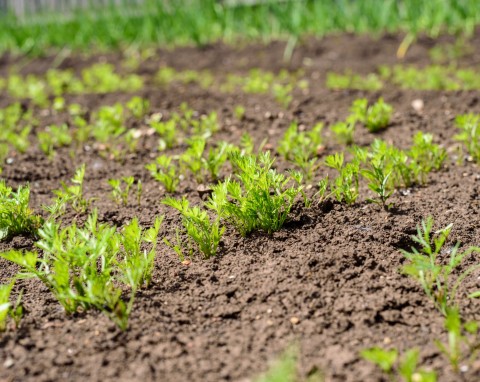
<point>182,22</point>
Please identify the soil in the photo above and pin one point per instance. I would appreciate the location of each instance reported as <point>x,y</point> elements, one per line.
<point>328,282</point>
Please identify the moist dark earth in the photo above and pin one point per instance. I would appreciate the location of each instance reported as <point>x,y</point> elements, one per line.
<point>328,282</point>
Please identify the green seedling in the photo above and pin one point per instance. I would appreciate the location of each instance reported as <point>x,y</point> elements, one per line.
<point>16,218</point>
<point>201,162</point>
<point>405,367</point>
<point>54,137</point>
<point>283,93</point>
<point>165,172</point>
<point>138,107</point>
<point>470,134</point>
<point>301,148</point>
<point>101,78</point>
<point>344,131</point>
<point>15,311</point>
<point>345,186</point>
<point>192,158</point>
<point>167,131</point>
<point>353,81</point>
<point>136,265</point>
<point>462,339</point>
<point>83,266</point>
<point>205,126</point>
<point>239,112</point>
<point>453,348</point>
<point>434,275</point>
<point>203,234</point>
<point>425,156</point>
<point>283,369</point>
<point>216,158</point>
<point>296,143</point>
<point>375,117</point>
<point>58,104</point>
<point>70,195</point>
<point>378,183</point>
<point>108,123</point>
<point>119,194</point>
<point>260,199</point>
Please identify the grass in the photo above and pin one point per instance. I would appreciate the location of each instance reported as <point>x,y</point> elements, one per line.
<point>199,22</point>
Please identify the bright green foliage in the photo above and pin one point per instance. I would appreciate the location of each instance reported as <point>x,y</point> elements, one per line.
<point>260,199</point>
<point>168,75</point>
<point>205,126</point>
<point>435,275</point>
<point>167,131</point>
<point>378,183</point>
<point>284,369</point>
<point>70,195</point>
<point>406,366</point>
<point>202,163</point>
<point>136,265</point>
<point>138,107</point>
<point>408,167</point>
<point>239,112</point>
<point>119,194</point>
<point>385,359</point>
<point>101,78</point>
<point>16,218</point>
<point>108,123</point>
<point>98,78</point>
<point>301,147</point>
<point>425,156</point>
<point>345,186</point>
<point>206,21</point>
<point>165,172</point>
<point>5,290</point>
<point>452,349</point>
<point>16,126</point>
<point>295,143</point>
<point>192,158</point>
<point>6,307</point>
<point>470,133</point>
<point>432,77</point>
<point>462,339</point>
<point>53,137</point>
<point>257,81</point>
<point>344,131</point>
<point>203,234</point>
<point>353,81</point>
<point>375,117</point>
<point>80,266</point>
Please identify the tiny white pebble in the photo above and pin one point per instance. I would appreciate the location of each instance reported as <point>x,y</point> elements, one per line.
<point>9,362</point>
<point>417,105</point>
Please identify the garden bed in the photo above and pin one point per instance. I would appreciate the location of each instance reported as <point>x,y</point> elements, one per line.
<point>328,282</point>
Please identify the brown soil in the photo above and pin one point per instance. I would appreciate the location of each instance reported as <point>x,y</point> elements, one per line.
<point>333,270</point>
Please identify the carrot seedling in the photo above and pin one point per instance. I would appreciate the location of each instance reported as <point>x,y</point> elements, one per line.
<point>260,199</point>
<point>375,117</point>
<point>120,194</point>
<point>165,172</point>
<point>16,217</point>
<point>203,234</point>
<point>435,276</point>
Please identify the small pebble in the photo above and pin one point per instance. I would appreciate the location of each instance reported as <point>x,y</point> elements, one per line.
<point>9,362</point>
<point>294,320</point>
<point>418,105</point>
